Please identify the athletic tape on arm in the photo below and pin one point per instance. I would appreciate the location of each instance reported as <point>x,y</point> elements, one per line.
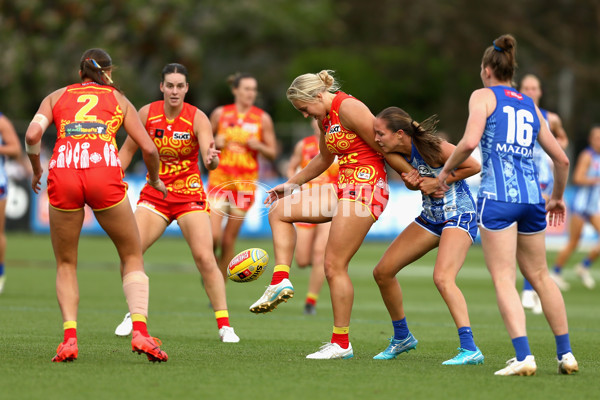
<point>43,122</point>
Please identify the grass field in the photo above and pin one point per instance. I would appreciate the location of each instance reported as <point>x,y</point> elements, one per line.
<point>269,362</point>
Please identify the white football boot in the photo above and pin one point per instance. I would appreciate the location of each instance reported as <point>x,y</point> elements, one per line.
<point>331,351</point>
<point>584,274</point>
<point>560,282</point>
<point>274,295</point>
<point>125,327</point>
<point>567,364</point>
<point>227,335</point>
<point>531,300</point>
<point>527,298</point>
<point>527,367</point>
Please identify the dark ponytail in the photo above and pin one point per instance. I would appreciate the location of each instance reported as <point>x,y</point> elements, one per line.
<point>501,57</point>
<point>94,64</point>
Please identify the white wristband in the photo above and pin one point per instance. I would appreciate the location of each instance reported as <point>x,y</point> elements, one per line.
<point>34,148</point>
<point>42,120</point>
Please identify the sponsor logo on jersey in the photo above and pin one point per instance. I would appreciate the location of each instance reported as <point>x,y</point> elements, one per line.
<point>181,136</point>
<point>364,175</point>
<point>159,133</point>
<point>335,129</point>
<point>82,128</point>
<point>514,95</point>
<point>509,148</point>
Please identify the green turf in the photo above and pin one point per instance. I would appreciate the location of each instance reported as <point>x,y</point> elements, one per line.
<point>269,362</point>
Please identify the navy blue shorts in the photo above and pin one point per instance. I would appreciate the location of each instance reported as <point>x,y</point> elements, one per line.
<point>466,222</point>
<point>496,215</point>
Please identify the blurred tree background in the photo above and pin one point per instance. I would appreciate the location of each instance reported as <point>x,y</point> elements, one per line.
<point>423,56</point>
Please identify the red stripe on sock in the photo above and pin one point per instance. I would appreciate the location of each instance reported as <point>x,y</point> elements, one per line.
<point>311,301</point>
<point>141,327</point>
<point>341,339</point>
<point>70,333</point>
<point>279,276</point>
<point>221,322</point>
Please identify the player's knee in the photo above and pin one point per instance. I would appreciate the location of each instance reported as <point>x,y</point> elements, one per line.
<point>332,269</point>
<point>206,262</point>
<point>276,215</point>
<point>381,275</point>
<point>442,281</point>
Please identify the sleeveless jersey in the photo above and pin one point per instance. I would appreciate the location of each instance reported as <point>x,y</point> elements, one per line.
<point>508,172</point>
<point>310,149</point>
<point>177,147</point>
<point>238,163</point>
<point>87,117</point>
<point>457,200</point>
<point>587,198</point>
<point>359,163</point>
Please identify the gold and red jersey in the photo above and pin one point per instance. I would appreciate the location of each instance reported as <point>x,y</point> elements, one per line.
<point>310,149</point>
<point>238,163</point>
<point>358,162</point>
<point>87,117</point>
<point>178,149</point>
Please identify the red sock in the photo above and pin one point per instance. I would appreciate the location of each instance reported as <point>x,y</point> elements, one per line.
<point>311,299</point>
<point>141,327</point>
<point>70,333</point>
<point>221,322</point>
<point>222,317</point>
<point>280,272</point>
<point>341,339</point>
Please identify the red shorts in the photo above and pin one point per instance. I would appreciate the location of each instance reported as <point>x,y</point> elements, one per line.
<point>173,206</point>
<point>375,197</point>
<point>70,189</point>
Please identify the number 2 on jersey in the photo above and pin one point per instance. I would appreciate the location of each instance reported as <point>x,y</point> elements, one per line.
<point>519,126</point>
<point>90,101</point>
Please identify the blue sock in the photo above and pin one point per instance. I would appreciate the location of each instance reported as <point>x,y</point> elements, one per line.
<point>557,269</point>
<point>527,285</point>
<point>563,345</point>
<point>400,329</point>
<point>465,334</point>
<point>521,345</point>
<point>1,269</point>
<point>587,262</point>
